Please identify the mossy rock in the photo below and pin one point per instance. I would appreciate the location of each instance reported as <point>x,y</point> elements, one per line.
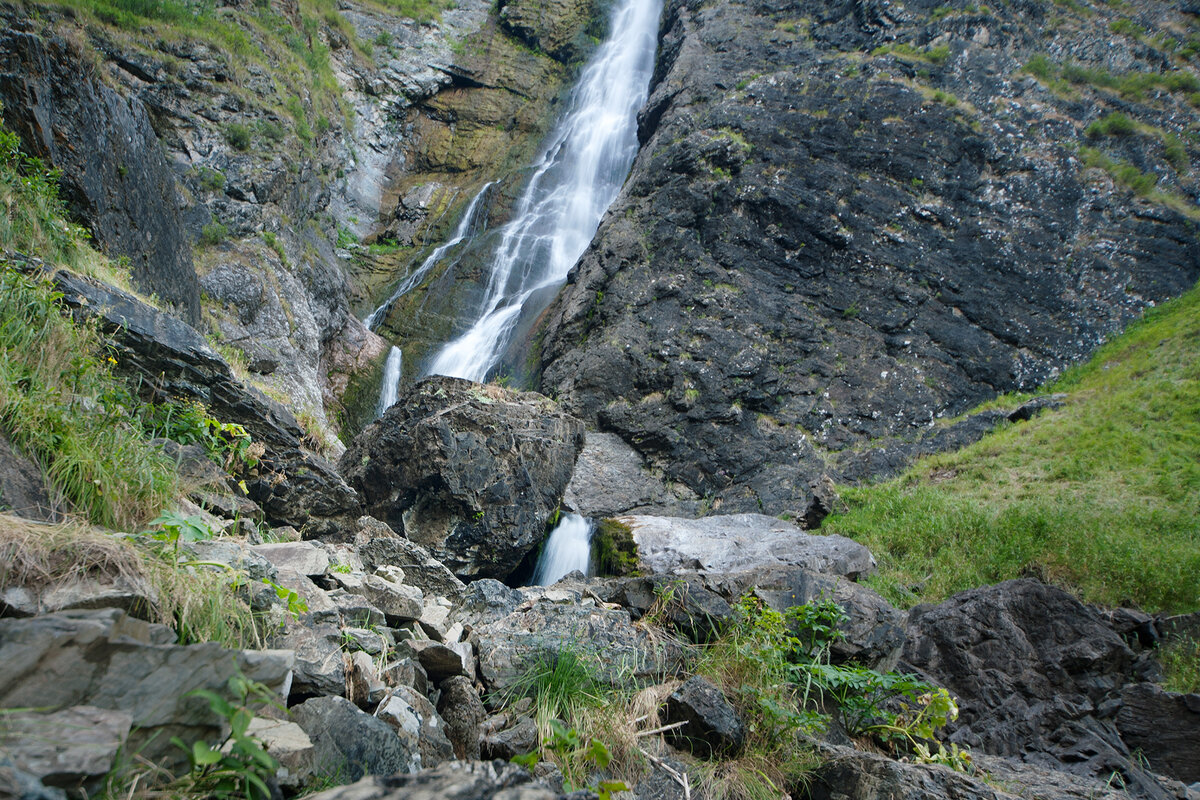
<point>614,552</point>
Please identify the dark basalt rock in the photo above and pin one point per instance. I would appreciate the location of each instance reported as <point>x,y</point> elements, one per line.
<point>813,256</point>
<point>460,780</point>
<point>713,726</point>
<point>471,472</point>
<point>348,741</point>
<point>114,175</point>
<point>1040,677</point>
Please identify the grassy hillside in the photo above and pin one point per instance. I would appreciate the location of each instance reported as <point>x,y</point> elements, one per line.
<point>1101,496</point>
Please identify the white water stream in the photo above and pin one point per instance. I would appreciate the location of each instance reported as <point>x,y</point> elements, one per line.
<point>467,227</point>
<point>390,388</point>
<point>568,548</point>
<point>583,165</point>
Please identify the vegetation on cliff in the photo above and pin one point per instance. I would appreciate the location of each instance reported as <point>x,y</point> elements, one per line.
<point>1101,495</point>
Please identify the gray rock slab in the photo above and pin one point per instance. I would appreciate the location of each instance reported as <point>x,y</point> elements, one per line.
<point>741,543</point>
<point>307,558</point>
<point>398,602</point>
<point>612,478</point>
<point>319,664</point>
<point>107,659</point>
<point>71,749</point>
<point>420,567</point>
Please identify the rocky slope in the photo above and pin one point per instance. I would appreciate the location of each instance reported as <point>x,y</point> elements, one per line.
<point>850,221</point>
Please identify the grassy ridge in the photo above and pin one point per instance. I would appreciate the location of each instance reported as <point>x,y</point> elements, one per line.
<point>1101,496</point>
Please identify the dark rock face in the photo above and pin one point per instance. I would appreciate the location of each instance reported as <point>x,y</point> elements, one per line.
<point>169,359</point>
<point>471,472</point>
<point>1165,726</point>
<point>816,252</point>
<point>22,488</point>
<point>713,726</point>
<point>115,176</point>
<point>1043,679</point>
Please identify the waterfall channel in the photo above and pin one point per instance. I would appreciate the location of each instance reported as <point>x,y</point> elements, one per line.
<point>581,168</point>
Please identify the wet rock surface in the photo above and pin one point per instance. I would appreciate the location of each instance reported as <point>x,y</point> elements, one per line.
<point>471,472</point>
<point>827,243</point>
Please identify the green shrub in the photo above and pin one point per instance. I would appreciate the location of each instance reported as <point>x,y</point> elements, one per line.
<point>213,234</point>
<point>238,135</point>
<point>1180,658</point>
<point>1175,152</point>
<point>1114,124</point>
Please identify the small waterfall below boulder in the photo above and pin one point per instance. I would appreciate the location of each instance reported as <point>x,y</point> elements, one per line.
<point>568,548</point>
<point>389,388</point>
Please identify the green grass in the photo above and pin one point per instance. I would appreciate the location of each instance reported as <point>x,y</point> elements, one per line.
<point>1180,658</point>
<point>1101,496</point>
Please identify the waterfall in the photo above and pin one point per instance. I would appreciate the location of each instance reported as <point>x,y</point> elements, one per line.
<point>583,165</point>
<point>568,548</point>
<point>467,226</point>
<point>390,387</point>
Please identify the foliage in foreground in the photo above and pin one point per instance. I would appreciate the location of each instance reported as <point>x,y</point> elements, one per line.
<point>1101,496</point>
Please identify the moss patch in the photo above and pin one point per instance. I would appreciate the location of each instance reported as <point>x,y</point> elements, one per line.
<point>614,550</point>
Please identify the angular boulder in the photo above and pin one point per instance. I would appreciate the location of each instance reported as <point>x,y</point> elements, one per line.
<point>71,749</point>
<point>454,779</point>
<point>711,725</point>
<point>351,743</point>
<point>472,472</point>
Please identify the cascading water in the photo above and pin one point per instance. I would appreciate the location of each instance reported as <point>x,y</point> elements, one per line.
<point>568,548</point>
<point>390,387</point>
<point>467,226</point>
<point>583,166</point>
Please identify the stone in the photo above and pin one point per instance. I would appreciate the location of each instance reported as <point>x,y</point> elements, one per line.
<point>611,478</point>
<point>364,687</point>
<point>406,672</point>
<point>318,608</point>
<point>1164,726</point>
<point>109,660</point>
<point>399,603</point>
<point>471,472</point>
<point>551,621</point>
<point>873,634</point>
<point>72,749</point>
<point>290,746</point>
<point>712,726</point>
<point>305,558</point>
<point>356,611</point>
<point>462,710</point>
<point>516,739</point>
<point>22,487</point>
<point>116,178</point>
<point>487,600</point>
<point>441,661</point>
<point>485,780</point>
<point>367,641</point>
<point>411,712</point>
<point>348,742</point>
<point>17,783</point>
<point>1032,669</point>
<point>320,667</point>
<point>236,556</point>
<point>742,543</point>
<point>434,619</point>
<point>421,568</point>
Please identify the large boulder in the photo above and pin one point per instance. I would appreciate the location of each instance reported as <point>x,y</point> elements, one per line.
<point>109,660</point>
<point>474,473</point>
<point>711,726</point>
<point>742,543</point>
<point>1041,677</point>
<point>71,749</point>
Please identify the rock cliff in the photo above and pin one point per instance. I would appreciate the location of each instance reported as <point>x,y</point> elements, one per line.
<point>851,221</point>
